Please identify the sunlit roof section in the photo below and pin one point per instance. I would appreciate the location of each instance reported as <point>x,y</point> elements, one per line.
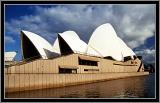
<point>56,46</point>
<point>35,46</point>
<point>9,56</point>
<point>73,42</point>
<point>126,51</point>
<point>105,40</point>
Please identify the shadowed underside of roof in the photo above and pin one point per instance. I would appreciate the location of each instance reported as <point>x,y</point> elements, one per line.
<point>104,42</point>
<point>28,49</point>
<point>34,46</point>
<point>64,47</point>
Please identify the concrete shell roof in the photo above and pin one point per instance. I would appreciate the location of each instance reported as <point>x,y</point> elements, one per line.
<point>76,44</point>
<point>126,51</point>
<point>105,40</point>
<point>9,56</point>
<point>70,34</point>
<point>40,44</point>
<point>56,46</point>
<point>73,40</point>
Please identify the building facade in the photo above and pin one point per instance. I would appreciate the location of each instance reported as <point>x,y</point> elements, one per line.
<point>71,61</point>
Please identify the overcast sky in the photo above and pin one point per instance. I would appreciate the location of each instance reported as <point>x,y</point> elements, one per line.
<point>134,23</point>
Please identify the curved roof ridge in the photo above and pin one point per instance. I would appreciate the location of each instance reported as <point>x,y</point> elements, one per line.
<point>92,51</point>
<point>75,43</point>
<point>56,46</point>
<point>126,51</point>
<point>105,40</point>
<point>40,44</point>
<point>70,33</point>
<point>73,40</point>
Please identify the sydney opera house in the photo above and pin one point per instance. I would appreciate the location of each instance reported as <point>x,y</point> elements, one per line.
<point>103,57</point>
<point>103,48</point>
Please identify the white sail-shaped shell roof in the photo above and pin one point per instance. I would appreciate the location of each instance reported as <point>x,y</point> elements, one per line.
<point>105,40</point>
<point>93,52</point>
<point>126,51</point>
<point>56,46</point>
<point>70,34</point>
<point>74,42</point>
<point>9,56</point>
<point>41,45</point>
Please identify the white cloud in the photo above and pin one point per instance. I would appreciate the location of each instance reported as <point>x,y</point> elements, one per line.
<point>146,51</point>
<point>133,23</point>
<point>9,39</point>
<point>147,55</point>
